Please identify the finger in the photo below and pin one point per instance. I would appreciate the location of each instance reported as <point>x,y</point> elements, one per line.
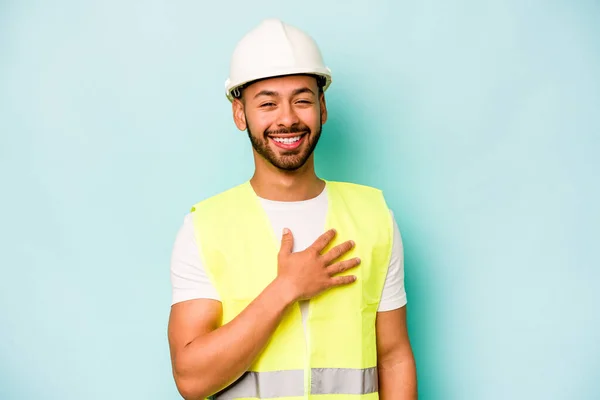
<point>343,266</point>
<point>323,240</point>
<point>287,242</point>
<point>342,280</point>
<point>337,251</point>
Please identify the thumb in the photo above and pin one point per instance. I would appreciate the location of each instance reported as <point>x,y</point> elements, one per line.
<point>287,242</point>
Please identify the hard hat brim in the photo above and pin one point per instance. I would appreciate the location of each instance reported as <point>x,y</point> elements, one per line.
<point>324,72</point>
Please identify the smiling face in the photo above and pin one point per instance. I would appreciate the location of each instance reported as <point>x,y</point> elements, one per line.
<point>283,117</point>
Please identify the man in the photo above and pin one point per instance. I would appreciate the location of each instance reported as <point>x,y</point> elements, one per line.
<point>319,313</point>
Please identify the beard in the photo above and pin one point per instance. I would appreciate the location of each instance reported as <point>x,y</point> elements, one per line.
<point>290,160</point>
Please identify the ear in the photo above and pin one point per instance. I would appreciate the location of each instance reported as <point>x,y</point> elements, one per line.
<point>237,107</point>
<point>323,108</point>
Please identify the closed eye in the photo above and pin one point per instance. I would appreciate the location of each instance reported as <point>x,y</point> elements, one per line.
<point>267,105</point>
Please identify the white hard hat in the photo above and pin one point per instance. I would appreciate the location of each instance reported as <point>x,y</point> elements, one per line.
<point>272,49</point>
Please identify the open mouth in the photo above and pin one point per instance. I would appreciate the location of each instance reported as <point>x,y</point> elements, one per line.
<point>288,142</point>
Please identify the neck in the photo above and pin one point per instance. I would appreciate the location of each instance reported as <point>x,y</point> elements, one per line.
<point>272,183</point>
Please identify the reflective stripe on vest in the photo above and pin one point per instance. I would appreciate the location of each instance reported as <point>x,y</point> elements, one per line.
<point>290,383</point>
<point>344,381</point>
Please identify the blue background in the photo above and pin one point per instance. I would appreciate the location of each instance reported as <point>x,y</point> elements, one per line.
<point>479,120</point>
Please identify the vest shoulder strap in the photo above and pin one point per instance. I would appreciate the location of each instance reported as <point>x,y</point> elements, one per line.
<point>230,204</point>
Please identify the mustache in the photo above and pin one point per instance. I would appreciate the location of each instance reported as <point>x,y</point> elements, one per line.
<point>298,128</point>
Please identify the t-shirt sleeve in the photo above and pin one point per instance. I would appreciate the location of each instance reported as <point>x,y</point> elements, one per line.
<point>189,279</point>
<point>394,295</point>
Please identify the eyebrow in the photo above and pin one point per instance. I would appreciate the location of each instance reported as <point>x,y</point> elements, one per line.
<point>274,94</point>
<point>302,90</point>
<point>266,93</point>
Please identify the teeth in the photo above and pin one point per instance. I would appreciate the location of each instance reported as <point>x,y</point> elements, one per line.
<point>287,140</point>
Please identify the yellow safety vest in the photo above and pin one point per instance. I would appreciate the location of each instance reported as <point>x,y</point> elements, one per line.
<point>338,358</point>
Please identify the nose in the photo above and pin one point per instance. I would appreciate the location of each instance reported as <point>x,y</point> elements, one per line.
<point>287,116</point>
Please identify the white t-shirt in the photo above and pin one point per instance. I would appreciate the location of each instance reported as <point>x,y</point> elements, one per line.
<point>306,220</point>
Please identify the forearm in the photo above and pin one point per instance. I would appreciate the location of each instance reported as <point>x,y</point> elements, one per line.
<point>212,361</point>
<point>398,379</point>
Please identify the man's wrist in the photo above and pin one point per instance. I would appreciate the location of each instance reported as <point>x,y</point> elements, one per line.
<point>284,291</point>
